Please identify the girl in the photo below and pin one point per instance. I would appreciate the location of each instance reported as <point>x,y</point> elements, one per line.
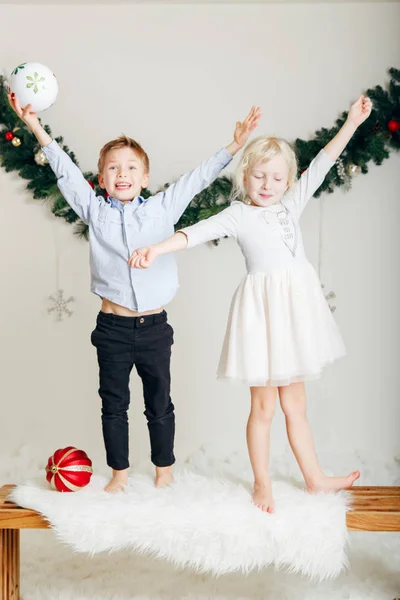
<point>280,330</point>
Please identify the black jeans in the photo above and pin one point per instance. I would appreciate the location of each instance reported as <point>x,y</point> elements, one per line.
<point>145,342</point>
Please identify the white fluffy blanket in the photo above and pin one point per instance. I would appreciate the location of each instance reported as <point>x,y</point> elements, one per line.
<point>206,523</point>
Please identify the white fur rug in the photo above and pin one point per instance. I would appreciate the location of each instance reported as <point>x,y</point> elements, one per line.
<point>205,523</point>
<point>50,571</point>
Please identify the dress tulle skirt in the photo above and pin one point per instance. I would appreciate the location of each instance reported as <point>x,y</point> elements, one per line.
<point>280,329</point>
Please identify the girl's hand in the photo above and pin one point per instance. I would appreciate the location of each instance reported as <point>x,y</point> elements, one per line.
<point>244,129</point>
<point>143,258</point>
<point>360,110</point>
<point>25,114</point>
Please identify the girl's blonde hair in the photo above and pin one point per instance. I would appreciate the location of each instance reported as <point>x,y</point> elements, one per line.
<point>261,150</point>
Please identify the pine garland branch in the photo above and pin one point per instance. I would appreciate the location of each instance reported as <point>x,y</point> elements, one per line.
<point>373,142</point>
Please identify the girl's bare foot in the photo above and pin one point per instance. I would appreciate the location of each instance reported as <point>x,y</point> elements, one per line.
<point>118,482</point>
<point>262,497</point>
<point>163,476</point>
<point>332,484</point>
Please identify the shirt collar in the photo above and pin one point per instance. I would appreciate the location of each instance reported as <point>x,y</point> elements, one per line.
<point>117,203</point>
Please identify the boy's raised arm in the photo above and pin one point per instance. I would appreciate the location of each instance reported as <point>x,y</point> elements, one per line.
<point>178,196</point>
<point>70,180</point>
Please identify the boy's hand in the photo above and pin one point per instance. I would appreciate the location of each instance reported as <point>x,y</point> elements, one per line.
<point>244,129</point>
<point>31,120</point>
<point>360,111</point>
<point>26,115</point>
<point>143,258</point>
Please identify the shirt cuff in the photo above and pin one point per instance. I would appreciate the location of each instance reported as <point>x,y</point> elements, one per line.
<point>224,156</point>
<point>51,148</point>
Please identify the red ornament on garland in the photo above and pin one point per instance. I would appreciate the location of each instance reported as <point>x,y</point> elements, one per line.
<point>9,136</point>
<point>69,469</point>
<point>91,184</point>
<point>393,125</point>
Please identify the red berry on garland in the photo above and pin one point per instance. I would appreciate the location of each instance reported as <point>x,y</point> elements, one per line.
<point>9,136</point>
<point>393,125</point>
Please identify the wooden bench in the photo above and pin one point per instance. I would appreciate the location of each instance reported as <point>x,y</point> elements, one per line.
<point>373,509</point>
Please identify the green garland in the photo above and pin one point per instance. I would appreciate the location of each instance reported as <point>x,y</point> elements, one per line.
<point>373,141</point>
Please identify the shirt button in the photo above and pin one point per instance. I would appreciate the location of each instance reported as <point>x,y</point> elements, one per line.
<point>141,320</point>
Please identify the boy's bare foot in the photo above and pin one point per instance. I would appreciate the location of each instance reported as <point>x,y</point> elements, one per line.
<point>118,482</point>
<point>332,484</point>
<point>163,476</point>
<point>262,497</point>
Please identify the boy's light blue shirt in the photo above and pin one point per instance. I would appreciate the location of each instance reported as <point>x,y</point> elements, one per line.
<point>117,229</point>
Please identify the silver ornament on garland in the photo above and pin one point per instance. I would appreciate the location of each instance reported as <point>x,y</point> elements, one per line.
<point>41,158</point>
<point>353,170</point>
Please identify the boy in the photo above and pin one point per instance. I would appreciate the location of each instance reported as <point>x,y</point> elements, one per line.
<point>132,326</point>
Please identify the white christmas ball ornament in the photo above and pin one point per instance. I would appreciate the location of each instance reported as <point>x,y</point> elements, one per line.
<point>35,84</point>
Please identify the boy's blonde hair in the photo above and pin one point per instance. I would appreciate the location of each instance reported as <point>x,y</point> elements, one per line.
<point>123,142</point>
<point>261,150</point>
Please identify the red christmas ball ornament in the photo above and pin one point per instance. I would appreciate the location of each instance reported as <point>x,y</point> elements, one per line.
<point>69,469</point>
<point>9,136</point>
<point>91,184</point>
<point>393,125</point>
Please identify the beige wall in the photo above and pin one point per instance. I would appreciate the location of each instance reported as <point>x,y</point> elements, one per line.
<point>177,78</point>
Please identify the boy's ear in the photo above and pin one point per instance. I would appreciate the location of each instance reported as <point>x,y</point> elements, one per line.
<point>145,180</point>
<point>101,180</point>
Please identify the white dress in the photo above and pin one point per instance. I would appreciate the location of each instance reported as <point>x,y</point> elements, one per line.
<point>280,329</point>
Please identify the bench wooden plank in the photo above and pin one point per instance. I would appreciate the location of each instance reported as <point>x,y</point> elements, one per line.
<point>374,509</point>
<point>373,520</point>
<point>15,517</point>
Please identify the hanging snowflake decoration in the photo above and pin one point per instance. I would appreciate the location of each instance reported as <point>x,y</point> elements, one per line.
<point>330,296</point>
<point>60,305</point>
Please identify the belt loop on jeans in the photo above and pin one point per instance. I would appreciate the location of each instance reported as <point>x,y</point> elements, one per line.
<point>106,317</point>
